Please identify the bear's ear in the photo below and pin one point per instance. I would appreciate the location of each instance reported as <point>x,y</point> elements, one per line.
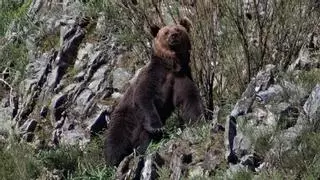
<point>186,23</point>
<point>154,30</point>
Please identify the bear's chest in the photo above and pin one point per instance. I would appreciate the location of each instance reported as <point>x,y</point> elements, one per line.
<point>166,88</point>
<point>163,99</point>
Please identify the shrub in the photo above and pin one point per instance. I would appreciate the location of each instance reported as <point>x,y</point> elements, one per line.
<point>13,52</point>
<point>18,161</point>
<point>91,164</point>
<point>64,159</point>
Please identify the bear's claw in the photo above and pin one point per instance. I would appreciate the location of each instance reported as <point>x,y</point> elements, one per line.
<point>154,130</point>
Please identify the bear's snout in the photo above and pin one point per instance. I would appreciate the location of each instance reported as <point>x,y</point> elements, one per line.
<point>174,38</point>
<point>174,35</point>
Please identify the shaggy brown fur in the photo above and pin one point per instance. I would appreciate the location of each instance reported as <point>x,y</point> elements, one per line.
<point>163,85</point>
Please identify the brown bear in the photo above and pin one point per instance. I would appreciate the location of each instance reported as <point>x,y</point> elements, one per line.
<point>162,85</point>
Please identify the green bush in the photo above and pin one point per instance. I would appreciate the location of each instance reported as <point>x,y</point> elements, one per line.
<point>308,79</point>
<point>22,161</point>
<point>14,58</point>
<point>243,175</point>
<point>13,52</point>
<point>12,10</point>
<point>301,160</point>
<point>18,161</point>
<point>91,164</point>
<point>64,158</point>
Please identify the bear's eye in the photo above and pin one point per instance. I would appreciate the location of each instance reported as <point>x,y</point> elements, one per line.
<point>166,32</point>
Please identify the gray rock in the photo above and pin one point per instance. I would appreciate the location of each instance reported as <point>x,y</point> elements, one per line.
<point>74,137</point>
<point>196,172</point>
<point>304,61</point>
<point>264,78</point>
<point>183,157</point>
<point>136,164</point>
<point>242,145</point>
<point>5,114</point>
<point>312,107</point>
<point>35,7</point>
<point>29,126</point>
<point>268,105</point>
<point>56,136</point>
<point>82,100</point>
<point>67,54</point>
<point>251,161</point>
<point>308,120</point>
<point>273,93</point>
<point>151,163</point>
<point>99,123</point>
<point>70,86</point>
<point>37,80</point>
<point>44,111</point>
<point>120,78</point>
<point>176,166</point>
<point>27,130</point>
<point>28,137</point>
<point>83,56</point>
<point>260,83</point>
<point>58,106</point>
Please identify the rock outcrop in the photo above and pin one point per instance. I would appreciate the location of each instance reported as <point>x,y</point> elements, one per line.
<point>191,155</point>
<point>68,91</point>
<point>272,111</point>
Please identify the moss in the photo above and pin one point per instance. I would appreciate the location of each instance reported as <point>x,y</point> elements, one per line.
<point>308,79</point>
<point>72,71</point>
<point>50,41</point>
<point>14,57</point>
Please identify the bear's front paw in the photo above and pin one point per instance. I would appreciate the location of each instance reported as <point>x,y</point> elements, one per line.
<point>154,128</point>
<point>156,131</point>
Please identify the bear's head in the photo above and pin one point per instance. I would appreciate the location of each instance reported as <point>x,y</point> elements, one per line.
<point>172,43</point>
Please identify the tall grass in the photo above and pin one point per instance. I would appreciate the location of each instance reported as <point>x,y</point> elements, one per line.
<point>13,51</point>
<point>20,160</point>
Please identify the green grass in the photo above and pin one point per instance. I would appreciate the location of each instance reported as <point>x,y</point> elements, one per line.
<point>14,57</point>
<point>243,175</point>
<point>94,173</point>
<point>49,41</point>
<point>13,53</point>
<point>91,164</point>
<point>308,79</point>
<point>164,173</point>
<point>12,10</point>
<point>22,161</point>
<point>18,161</point>
<point>64,159</point>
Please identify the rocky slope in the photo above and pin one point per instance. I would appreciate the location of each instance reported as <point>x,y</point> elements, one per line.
<point>264,125</point>
<point>66,92</point>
